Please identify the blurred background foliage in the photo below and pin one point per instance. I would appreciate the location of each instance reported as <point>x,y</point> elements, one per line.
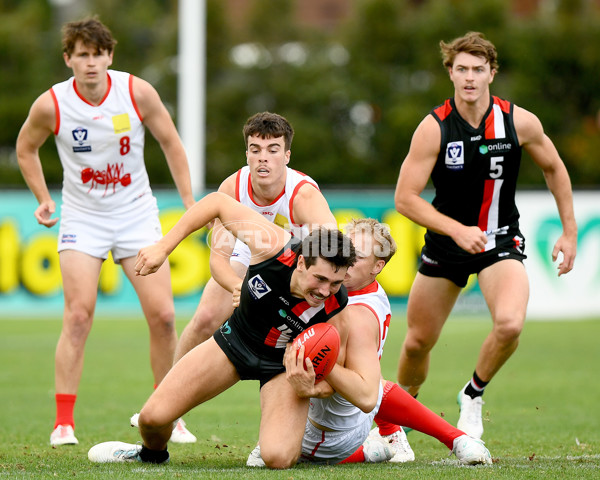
<point>354,89</point>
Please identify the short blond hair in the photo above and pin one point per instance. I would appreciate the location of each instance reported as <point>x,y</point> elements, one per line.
<point>380,233</point>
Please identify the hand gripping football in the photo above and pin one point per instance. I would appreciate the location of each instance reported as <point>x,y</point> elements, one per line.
<point>322,345</point>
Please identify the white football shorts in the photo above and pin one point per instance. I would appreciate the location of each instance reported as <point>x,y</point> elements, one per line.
<point>98,233</point>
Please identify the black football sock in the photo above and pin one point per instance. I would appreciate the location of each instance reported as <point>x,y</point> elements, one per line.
<point>475,387</point>
<point>153,456</point>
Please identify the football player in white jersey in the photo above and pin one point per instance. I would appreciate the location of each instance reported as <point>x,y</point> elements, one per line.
<point>98,118</point>
<point>343,407</point>
<point>282,195</point>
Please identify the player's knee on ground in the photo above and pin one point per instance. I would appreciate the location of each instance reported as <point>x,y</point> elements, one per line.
<point>278,458</point>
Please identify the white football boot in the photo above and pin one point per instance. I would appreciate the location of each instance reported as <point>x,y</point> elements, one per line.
<point>471,451</point>
<point>63,435</point>
<point>110,452</point>
<point>376,449</point>
<point>254,459</point>
<point>470,414</point>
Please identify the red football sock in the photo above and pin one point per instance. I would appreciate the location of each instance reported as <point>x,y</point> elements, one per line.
<point>65,404</point>
<point>400,408</point>
<point>385,428</point>
<point>356,457</point>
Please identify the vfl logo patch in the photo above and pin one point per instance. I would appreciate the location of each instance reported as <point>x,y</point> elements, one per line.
<point>80,135</point>
<point>257,287</point>
<point>455,156</point>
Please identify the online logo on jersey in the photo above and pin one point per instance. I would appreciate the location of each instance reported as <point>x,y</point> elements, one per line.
<point>80,136</point>
<point>222,242</point>
<point>455,159</point>
<point>498,147</point>
<point>258,287</point>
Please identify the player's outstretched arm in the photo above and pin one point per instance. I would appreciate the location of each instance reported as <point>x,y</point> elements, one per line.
<point>263,238</point>
<point>222,245</point>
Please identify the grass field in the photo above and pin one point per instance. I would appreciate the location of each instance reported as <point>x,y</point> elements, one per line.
<point>542,417</point>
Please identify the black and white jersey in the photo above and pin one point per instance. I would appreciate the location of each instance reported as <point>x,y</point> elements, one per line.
<point>475,175</point>
<point>269,317</point>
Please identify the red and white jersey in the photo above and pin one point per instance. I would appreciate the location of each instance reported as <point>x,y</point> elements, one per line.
<point>101,147</point>
<point>336,412</point>
<point>281,210</point>
<point>373,297</point>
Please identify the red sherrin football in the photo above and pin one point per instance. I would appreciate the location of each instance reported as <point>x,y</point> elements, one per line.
<point>322,345</point>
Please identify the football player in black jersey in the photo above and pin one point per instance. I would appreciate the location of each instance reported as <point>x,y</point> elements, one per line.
<point>290,285</point>
<point>470,147</point>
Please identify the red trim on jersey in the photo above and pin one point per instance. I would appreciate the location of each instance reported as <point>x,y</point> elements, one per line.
<point>331,304</point>
<point>293,196</point>
<point>133,102</point>
<point>56,112</point>
<point>252,196</point>
<point>287,257</point>
<point>443,110</point>
<point>272,337</point>
<point>299,309</point>
<point>503,104</point>
<point>109,81</point>
<point>376,319</point>
<point>488,195</point>
<point>490,131</point>
<point>237,184</point>
<point>371,288</point>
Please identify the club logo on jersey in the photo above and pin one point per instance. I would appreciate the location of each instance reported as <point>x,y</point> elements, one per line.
<point>80,136</point>
<point>258,287</point>
<point>455,157</point>
<point>113,175</point>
